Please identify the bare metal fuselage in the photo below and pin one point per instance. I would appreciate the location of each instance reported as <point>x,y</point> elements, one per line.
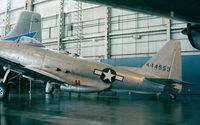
<point>70,69</point>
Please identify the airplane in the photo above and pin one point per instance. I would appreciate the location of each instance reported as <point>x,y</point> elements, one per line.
<point>28,57</point>
<point>186,10</point>
<point>161,73</point>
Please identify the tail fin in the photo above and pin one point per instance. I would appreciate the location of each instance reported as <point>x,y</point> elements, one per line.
<point>167,62</point>
<point>28,24</point>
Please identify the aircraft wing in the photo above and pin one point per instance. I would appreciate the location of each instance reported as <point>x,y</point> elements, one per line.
<point>29,71</point>
<point>173,9</point>
<point>54,75</point>
<point>167,82</point>
<point>43,74</point>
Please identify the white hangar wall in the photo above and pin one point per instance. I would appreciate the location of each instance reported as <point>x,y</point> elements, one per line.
<point>97,31</point>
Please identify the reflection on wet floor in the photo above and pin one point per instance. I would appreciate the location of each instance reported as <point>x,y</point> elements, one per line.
<point>41,109</point>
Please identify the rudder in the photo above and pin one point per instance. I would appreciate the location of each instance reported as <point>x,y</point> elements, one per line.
<point>28,22</point>
<point>166,63</point>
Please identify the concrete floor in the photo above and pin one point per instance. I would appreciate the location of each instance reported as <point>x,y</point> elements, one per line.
<point>36,108</point>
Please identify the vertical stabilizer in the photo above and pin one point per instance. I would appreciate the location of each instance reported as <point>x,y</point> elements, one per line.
<point>29,23</point>
<point>166,63</point>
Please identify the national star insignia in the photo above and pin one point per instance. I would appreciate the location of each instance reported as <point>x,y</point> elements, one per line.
<point>108,75</point>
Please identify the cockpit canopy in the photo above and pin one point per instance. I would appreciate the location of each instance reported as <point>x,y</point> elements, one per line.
<point>30,41</point>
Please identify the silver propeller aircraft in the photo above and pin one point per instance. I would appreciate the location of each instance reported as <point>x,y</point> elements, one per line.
<point>28,57</point>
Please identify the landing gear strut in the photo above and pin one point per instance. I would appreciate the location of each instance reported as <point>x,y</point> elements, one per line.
<point>49,88</point>
<point>4,90</point>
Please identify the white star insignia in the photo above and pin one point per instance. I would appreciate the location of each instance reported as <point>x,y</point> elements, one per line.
<point>108,75</point>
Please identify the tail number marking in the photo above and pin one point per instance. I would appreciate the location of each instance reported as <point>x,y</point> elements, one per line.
<point>159,67</point>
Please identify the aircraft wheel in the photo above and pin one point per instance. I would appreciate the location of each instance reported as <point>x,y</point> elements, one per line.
<point>4,91</point>
<point>172,96</point>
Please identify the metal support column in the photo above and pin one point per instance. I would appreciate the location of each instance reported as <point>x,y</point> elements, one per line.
<point>30,90</point>
<point>136,31</point>
<point>7,20</point>
<point>29,5</point>
<point>61,25</point>
<point>107,33</point>
<point>168,29</point>
<point>79,30</point>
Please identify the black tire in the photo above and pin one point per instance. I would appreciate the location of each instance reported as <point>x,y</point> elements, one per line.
<point>4,91</point>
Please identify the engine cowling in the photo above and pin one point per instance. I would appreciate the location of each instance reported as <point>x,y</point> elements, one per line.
<point>193,33</point>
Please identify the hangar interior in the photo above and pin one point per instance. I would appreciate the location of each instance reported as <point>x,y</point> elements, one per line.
<point>112,35</point>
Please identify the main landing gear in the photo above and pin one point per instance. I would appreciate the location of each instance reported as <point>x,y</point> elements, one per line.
<point>171,92</point>
<point>4,89</point>
<point>49,88</point>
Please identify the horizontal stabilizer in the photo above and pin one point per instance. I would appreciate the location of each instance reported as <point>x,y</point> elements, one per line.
<point>167,82</point>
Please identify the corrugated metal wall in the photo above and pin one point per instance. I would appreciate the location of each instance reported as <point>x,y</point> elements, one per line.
<point>131,34</point>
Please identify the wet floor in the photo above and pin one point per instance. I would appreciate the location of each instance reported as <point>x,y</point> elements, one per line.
<point>38,109</point>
